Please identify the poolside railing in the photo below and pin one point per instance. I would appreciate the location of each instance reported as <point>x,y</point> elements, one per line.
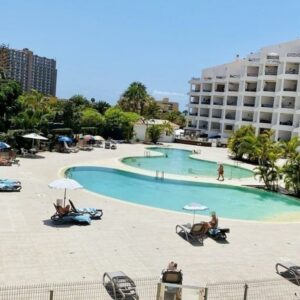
<point>152,289</point>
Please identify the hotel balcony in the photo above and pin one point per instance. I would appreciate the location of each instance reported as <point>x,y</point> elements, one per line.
<point>233,87</point>
<point>216,113</point>
<point>286,120</point>
<point>292,68</point>
<point>249,101</point>
<point>269,86</point>
<point>218,101</point>
<point>252,71</point>
<point>232,101</point>
<point>207,87</point>
<point>205,101</point>
<point>293,57</point>
<point>247,117</point>
<point>251,87</point>
<point>288,102</point>
<point>271,70</point>
<point>267,102</point>
<point>220,88</point>
<point>203,125</point>
<point>290,86</point>
<point>204,112</point>
<point>230,115</point>
<point>194,100</point>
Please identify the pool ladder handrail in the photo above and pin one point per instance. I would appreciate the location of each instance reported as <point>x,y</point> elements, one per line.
<point>162,177</point>
<point>147,153</point>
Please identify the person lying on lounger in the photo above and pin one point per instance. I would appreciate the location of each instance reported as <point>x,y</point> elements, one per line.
<point>63,210</point>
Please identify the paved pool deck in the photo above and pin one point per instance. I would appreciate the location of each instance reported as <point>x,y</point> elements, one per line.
<point>136,239</point>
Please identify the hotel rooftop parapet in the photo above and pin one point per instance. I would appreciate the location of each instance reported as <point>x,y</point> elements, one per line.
<point>262,89</point>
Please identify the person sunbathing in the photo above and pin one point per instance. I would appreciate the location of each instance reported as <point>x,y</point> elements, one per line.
<point>4,162</point>
<point>63,210</point>
<point>213,223</point>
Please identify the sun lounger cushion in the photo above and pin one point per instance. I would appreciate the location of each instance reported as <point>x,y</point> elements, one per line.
<point>81,219</point>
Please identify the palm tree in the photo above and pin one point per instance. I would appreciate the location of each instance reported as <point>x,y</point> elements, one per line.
<point>135,98</point>
<point>268,152</point>
<point>237,138</point>
<point>291,169</point>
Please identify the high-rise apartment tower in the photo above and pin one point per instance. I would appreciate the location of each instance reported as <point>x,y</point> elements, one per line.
<point>30,70</point>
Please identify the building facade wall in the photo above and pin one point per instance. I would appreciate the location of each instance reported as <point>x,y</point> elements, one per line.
<point>262,89</point>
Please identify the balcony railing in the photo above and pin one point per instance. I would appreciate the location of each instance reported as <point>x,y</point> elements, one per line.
<point>232,103</point>
<point>291,71</point>
<point>247,119</point>
<point>204,115</point>
<point>252,74</point>
<point>220,90</point>
<point>194,102</point>
<point>265,121</point>
<point>205,102</point>
<point>217,117</point>
<point>230,117</point>
<point>233,90</point>
<point>234,76</point>
<point>286,123</point>
<point>192,126</point>
<point>220,77</point>
<point>249,104</point>
<point>271,72</point>
<point>293,54</point>
<point>250,90</point>
<point>267,105</point>
<point>196,90</point>
<point>290,89</point>
<point>207,78</point>
<point>284,105</point>
<point>269,89</point>
<point>207,90</point>
<point>193,114</point>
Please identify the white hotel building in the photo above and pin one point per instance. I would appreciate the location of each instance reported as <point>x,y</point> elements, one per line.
<point>262,89</point>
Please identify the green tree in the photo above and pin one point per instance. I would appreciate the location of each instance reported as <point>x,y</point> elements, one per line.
<point>268,153</point>
<point>135,98</point>
<point>155,131</point>
<point>237,138</point>
<point>101,106</point>
<point>119,124</point>
<point>291,169</point>
<point>90,117</point>
<point>175,117</point>
<point>79,100</point>
<point>10,90</point>
<point>37,111</point>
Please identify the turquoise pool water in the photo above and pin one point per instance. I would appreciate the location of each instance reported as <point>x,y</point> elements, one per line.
<point>227,201</point>
<point>177,161</point>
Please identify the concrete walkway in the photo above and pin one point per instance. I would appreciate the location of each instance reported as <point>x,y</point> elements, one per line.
<point>135,239</point>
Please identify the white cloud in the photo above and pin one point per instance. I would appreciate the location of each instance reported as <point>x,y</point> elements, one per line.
<point>168,93</point>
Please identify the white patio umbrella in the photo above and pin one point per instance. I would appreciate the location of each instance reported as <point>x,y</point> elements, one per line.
<point>98,138</point>
<point>195,207</point>
<point>66,184</point>
<point>34,136</point>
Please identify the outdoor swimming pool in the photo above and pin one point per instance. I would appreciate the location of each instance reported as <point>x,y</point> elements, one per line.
<point>177,161</point>
<point>227,201</point>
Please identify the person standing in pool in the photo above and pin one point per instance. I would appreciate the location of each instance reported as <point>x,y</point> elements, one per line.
<point>220,172</point>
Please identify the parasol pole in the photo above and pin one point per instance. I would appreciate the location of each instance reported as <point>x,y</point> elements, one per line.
<point>65,197</point>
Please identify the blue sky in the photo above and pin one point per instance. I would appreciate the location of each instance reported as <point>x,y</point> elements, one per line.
<point>102,46</point>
